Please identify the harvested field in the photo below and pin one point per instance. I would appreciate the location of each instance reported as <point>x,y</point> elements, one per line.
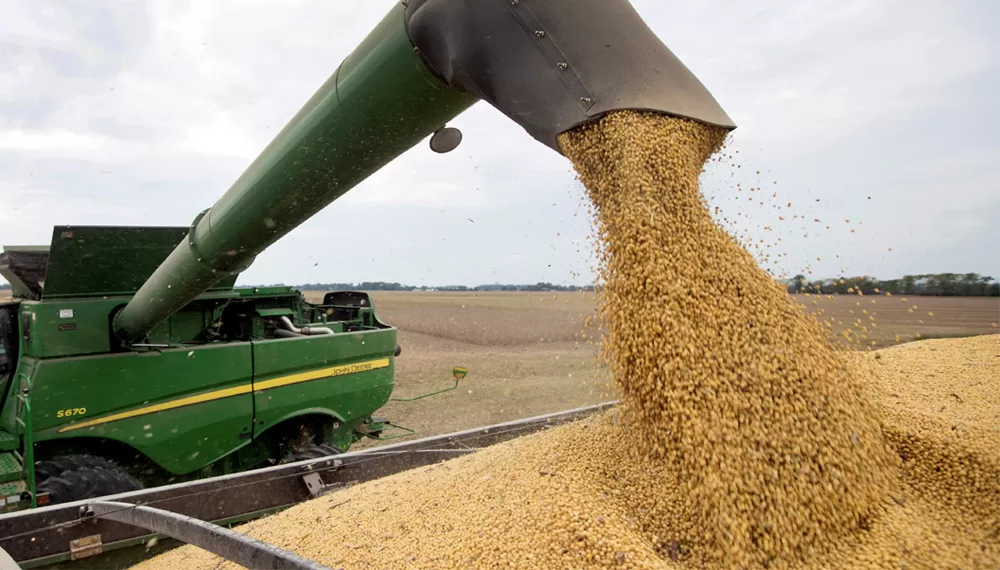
<point>907,317</point>
<point>503,319</point>
<point>489,319</point>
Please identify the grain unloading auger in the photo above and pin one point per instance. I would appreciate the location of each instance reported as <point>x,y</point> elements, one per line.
<point>132,345</point>
<point>549,66</point>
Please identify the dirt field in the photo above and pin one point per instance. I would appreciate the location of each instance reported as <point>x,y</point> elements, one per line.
<point>522,351</point>
<point>525,358</point>
<point>907,317</point>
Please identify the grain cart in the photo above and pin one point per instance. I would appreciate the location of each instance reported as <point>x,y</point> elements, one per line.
<point>130,357</point>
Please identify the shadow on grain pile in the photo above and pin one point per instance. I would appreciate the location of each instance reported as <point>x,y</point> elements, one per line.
<point>743,440</point>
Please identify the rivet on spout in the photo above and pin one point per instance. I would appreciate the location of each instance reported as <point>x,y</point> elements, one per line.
<point>540,33</point>
<point>562,65</point>
<point>586,100</point>
<point>515,2</point>
<point>406,3</point>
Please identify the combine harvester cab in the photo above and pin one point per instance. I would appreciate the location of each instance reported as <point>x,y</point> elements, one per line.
<point>136,357</point>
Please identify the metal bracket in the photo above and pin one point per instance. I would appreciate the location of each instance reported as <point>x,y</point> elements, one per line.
<point>314,483</point>
<point>85,547</point>
<point>378,434</point>
<point>458,373</point>
<point>549,47</point>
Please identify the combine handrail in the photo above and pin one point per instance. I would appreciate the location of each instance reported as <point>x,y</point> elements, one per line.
<point>23,418</point>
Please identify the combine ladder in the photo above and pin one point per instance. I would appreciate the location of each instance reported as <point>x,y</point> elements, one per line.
<point>17,467</point>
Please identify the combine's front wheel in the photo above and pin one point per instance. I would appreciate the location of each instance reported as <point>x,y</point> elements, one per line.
<point>75,477</point>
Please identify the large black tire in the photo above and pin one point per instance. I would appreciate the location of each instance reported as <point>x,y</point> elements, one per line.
<point>76,477</point>
<point>314,452</point>
<point>56,465</point>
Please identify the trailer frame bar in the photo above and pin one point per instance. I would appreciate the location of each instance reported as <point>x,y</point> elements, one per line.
<point>233,546</point>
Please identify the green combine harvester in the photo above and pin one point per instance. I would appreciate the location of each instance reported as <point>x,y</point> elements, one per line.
<point>128,358</point>
<point>237,378</point>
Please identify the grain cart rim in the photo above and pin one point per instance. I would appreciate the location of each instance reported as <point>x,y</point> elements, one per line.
<point>221,541</point>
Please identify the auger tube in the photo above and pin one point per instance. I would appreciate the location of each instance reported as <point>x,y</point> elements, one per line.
<point>549,65</point>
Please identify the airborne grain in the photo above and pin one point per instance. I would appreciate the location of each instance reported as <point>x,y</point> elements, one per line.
<point>723,376</point>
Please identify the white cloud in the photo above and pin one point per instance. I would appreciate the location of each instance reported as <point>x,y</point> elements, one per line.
<point>800,77</point>
<point>27,205</point>
<point>59,142</point>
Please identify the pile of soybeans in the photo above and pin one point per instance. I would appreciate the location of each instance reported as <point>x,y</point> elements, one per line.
<point>744,440</point>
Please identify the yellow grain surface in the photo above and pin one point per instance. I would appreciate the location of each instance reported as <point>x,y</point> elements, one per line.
<point>575,496</point>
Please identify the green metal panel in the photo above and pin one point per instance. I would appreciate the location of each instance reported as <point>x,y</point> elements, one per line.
<point>348,394</point>
<point>77,326</point>
<point>211,422</point>
<point>67,327</point>
<point>276,291</point>
<point>8,441</point>
<point>381,102</point>
<point>185,325</point>
<point>275,312</point>
<point>105,260</point>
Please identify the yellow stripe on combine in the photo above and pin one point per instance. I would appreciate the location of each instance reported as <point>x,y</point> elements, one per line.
<point>236,391</point>
<point>169,405</point>
<point>322,373</point>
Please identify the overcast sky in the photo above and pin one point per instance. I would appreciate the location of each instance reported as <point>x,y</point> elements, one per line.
<point>144,112</point>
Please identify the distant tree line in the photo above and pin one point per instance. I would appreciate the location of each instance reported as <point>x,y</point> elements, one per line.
<point>934,284</point>
<point>393,286</point>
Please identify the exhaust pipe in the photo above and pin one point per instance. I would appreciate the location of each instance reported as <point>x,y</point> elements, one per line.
<point>307,330</point>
